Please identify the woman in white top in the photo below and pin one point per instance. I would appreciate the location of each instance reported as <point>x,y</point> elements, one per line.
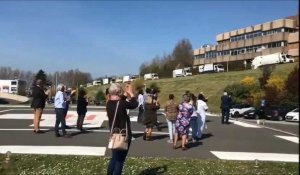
<point>201,108</point>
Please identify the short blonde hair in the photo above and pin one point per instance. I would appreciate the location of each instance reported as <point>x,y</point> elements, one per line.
<point>115,89</point>
<point>59,87</point>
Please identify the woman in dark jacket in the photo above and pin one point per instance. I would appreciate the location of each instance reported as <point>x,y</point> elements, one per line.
<point>150,116</point>
<point>81,108</point>
<point>116,93</point>
<point>39,97</point>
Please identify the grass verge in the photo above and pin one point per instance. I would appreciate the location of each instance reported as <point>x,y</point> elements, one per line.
<point>88,165</point>
<point>212,85</point>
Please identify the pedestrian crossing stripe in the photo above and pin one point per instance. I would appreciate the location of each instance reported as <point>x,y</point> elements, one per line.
<point>93,118</point>
<point>54,150</point>
<point>289,138</point>
<point>256,156</point>
<point>244,124</point>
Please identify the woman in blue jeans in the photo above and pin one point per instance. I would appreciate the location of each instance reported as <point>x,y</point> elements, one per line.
<point>126,101</point>
<point>194,117</point>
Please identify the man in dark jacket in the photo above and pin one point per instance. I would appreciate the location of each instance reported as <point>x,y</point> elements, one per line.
<point>225,107</point>
<point>38,103</point>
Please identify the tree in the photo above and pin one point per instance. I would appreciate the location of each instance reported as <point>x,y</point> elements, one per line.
<point>239,92</point>
<point>291,86</point>
<point>100,96</point>
<point>41,75</point>
<point>274,90</point>
<point>266,73</point>
<point>183,53</point>
<point>292,82</point>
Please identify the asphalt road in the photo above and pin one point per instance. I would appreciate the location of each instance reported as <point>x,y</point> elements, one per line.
<point>239,137</point>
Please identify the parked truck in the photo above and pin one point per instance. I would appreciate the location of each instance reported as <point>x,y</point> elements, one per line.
<point>151,76</point>
<point>274,58</point>
<point>126,78</point>
<point>209,68</point>
<point>105,80</point>
<point>181,72</point>
<point>97,83</point>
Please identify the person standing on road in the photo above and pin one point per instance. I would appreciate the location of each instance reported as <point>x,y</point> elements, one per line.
<point>81,108</point>
<point>122,120</point>
<point>150,116</point>
<point>68,95</point>
<point>60,108</point>
<point>38,103</point>
<point>225,107</point>
<point>201,109</point>
<point>183,121</point>
<point>194,117</point>
<point>155,98</point>
<point>171,110</point>
<point>141,107</point>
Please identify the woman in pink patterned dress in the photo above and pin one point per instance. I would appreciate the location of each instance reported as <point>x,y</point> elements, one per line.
<point>183,121</point>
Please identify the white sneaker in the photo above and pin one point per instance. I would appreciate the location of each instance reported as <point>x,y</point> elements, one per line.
<point>170,141</point>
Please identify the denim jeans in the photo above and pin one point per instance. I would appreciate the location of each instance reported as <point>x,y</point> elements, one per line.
<point>117,160</point>
<point>200,126</point>
<point>60,119</point>
<point>171,127</point>
<point>194,126</point>
<point>140,114</point>
<point>225,116</point>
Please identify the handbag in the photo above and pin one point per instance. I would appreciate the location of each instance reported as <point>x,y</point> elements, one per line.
<point>118,139</point>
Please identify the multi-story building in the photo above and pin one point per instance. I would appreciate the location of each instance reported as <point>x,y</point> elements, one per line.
<point>239,47</point>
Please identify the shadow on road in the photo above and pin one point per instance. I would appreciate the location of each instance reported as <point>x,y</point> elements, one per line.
<point>137,135</point>
<point>207,135</point>
<point>154,171</point>
<point>80,132</point>
<point>191,145</point>
<point>159,137</point>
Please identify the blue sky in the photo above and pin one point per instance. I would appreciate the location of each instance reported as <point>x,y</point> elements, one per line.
<point>114,38</point>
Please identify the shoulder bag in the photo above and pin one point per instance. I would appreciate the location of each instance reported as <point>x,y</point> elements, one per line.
<point>118,140</point>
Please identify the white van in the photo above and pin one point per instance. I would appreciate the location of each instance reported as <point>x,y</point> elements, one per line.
<point>151,76</point>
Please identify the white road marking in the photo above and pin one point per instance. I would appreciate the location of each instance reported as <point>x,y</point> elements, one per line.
<point>289,138</point>
<point>6,110</point>
<point>48,120</point>
<point>57,150</point>
<point>244,124</point>
<point>259,156</point>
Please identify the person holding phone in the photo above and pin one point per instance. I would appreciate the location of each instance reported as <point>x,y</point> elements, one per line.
<point>39,96</point>
<point>125,98</point>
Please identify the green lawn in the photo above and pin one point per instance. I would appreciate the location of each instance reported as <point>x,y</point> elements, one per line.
<point>212,85</point>
<point>87,165</point>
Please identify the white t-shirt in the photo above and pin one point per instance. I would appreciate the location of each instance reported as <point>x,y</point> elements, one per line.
<point>141,100</point>
<point>201,108</point>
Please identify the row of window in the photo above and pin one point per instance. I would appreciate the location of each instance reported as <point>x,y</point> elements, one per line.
<point>250,49</point>
<point>260,33</point>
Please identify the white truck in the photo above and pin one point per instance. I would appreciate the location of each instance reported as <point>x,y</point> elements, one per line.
<point>129,78</point>
<point>96,83</point>
<point>181,72</point>
<point>119,79</point>
<point>207,68</point>
<point>126,78</point>
<point>274,58</point>
<point>105,80</point>
<point>151,76</point>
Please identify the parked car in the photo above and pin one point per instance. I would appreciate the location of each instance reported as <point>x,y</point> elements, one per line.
<point>292,115</point>
<point>239,109</point>
<point>256,113</point>
<point>276,112</point>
